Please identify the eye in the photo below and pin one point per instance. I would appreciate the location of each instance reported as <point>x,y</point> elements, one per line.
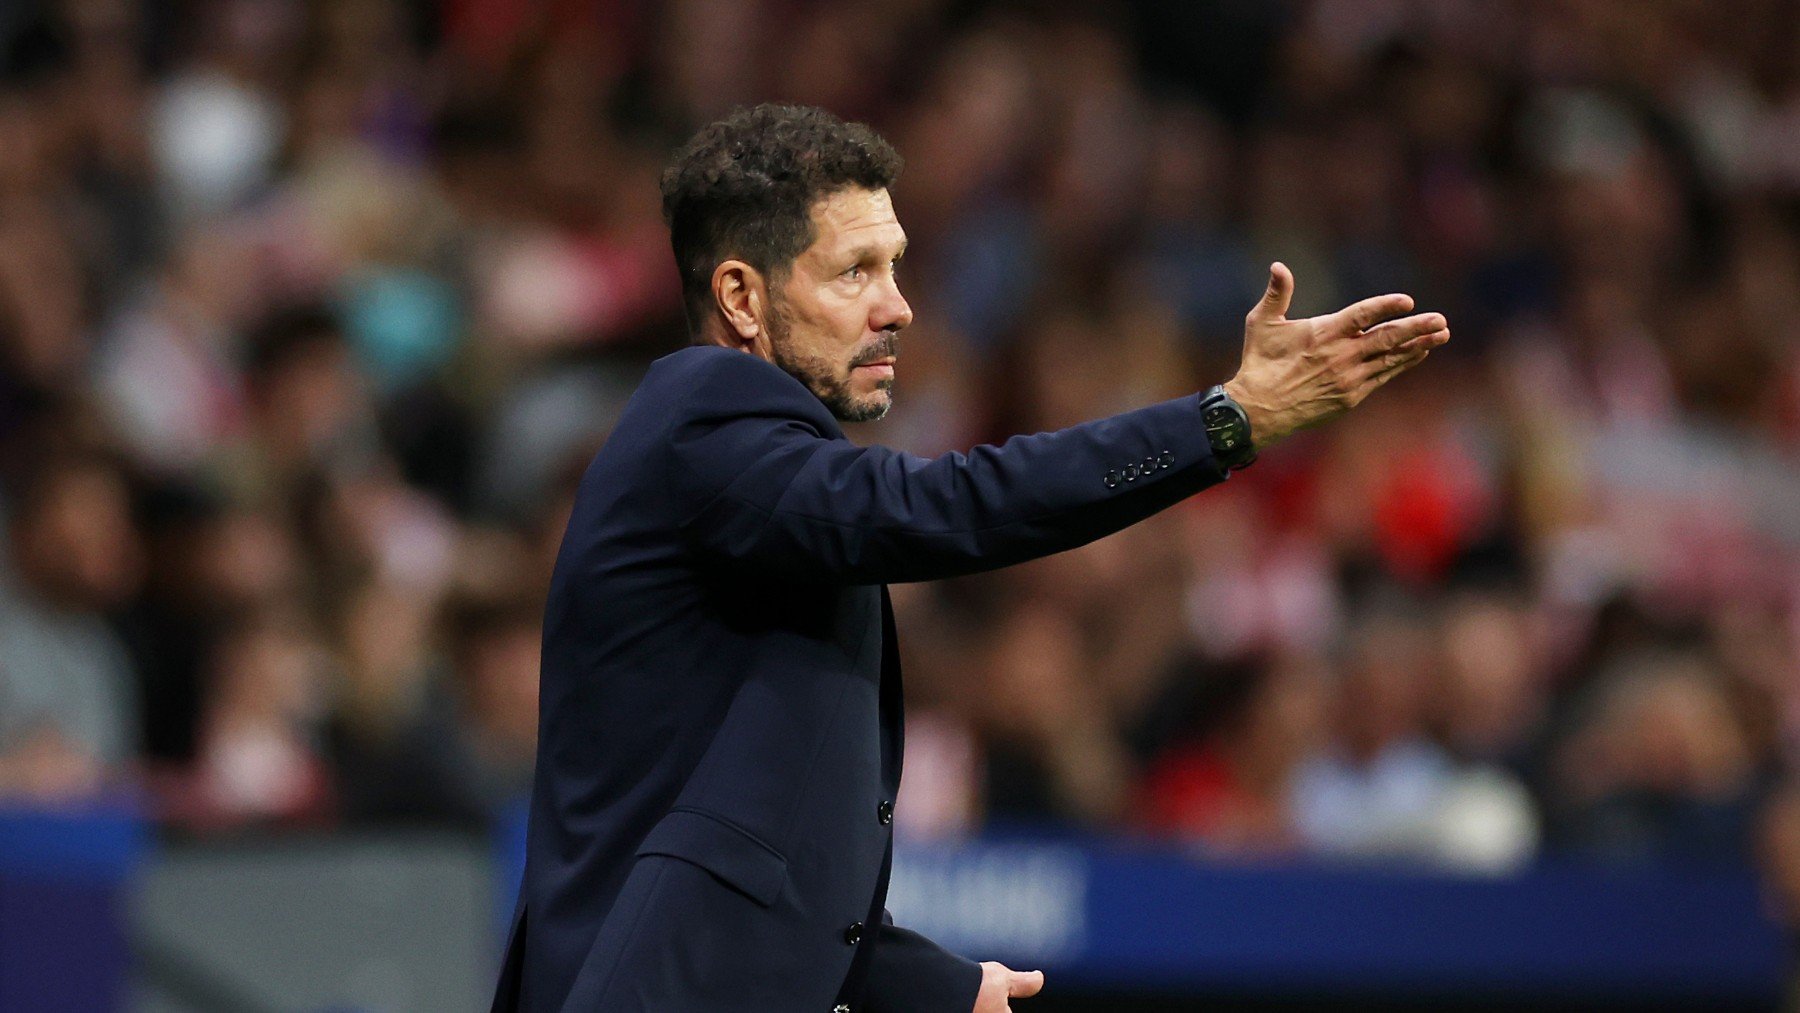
<point>854,273</point>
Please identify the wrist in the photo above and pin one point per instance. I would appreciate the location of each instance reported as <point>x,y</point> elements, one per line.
<point>1264,430</point>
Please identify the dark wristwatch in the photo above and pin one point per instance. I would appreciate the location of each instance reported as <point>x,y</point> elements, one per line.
<point>1227,429</point>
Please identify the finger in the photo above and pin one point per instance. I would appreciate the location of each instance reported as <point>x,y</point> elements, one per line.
<point>1432,340</point>
<point>1279,294</point>
<point>1397,333</point>
<point>1380,371</point>
<point>1384,377</point>
<point>1387,362</point>
<point>1360,316</point>
<point>1025,983</point>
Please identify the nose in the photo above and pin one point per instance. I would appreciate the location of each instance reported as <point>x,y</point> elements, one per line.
<point>891,312</point>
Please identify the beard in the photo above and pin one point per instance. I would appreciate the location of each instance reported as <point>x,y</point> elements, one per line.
<point>821,376</point>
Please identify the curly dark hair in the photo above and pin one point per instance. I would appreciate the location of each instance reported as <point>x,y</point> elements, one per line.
<point>744,187</point>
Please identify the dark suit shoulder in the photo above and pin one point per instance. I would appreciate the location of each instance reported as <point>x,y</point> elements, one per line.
<point>709,382</point>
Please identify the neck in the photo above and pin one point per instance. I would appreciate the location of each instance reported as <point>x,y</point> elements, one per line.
<point>715,332</point>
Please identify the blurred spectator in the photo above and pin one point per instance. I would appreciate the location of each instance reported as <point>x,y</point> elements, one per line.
<point>68,714</point>
<point>1376,789</point>
<point>211,562</point>
<point>1230,790</point>
<point>495,653</point>
<point>1778,843</point>
<point>166,367</point>
<point>216,130</point>
<point>1050,750</point>
<point>311,413</point>
<point>1660,768</point>
<point>940,796</point>
<point>388,732</point>
<point>1490,685</point>
<point>259,762</point>
<point>1386,789</point>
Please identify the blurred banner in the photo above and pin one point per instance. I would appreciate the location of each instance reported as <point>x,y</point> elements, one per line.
<point>1108,914</point>
<point>90,914</point>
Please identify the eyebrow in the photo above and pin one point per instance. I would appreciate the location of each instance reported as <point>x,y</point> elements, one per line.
<point>863,253</point>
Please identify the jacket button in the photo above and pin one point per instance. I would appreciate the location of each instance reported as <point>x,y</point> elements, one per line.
<point>1149,465</point>
<point>1131,472</point>
<point>1165,460</point>
<point>885,812</point>
<point>842,1007</point>
<point>1111,480</point>
<point>853,934</point>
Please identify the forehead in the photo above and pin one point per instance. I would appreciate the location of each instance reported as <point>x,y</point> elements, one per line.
<point>854,218</point>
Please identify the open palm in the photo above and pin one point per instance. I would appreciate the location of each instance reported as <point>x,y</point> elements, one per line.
<point>1298,373</point>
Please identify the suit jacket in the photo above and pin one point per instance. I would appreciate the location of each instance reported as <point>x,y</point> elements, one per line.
<point>720,716</point>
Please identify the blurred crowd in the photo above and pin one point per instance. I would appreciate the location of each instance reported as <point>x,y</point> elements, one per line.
<point>311,314</point>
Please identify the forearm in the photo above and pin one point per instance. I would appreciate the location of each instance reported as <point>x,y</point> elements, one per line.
<point>830,510</point>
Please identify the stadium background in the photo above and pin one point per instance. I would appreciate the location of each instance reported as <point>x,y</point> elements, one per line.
<point>310,314</point>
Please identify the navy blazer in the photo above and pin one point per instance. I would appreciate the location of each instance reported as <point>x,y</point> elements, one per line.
<point>720,716</point>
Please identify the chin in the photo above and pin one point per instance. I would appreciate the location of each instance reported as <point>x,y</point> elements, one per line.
<point>871,407</point>
<point>866,411</point>
<point>848,404</point>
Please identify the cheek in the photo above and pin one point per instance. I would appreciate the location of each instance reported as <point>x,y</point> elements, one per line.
<point>848,325</point>
<point>848,343</point>
<point>830,331</point>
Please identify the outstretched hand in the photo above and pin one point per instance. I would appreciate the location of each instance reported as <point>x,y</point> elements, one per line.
<point>1000,983</point>
<point>1299,373</point>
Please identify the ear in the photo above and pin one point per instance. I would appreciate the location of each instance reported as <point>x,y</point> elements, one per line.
<point>741,294</point>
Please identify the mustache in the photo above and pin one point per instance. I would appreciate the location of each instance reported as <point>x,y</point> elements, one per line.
<point>887,347</point>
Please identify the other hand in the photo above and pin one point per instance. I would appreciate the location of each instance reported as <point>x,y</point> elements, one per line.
<point>1000,983</point>
<point>1299,373</point>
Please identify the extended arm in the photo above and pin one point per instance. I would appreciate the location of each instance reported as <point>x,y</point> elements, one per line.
<point>764,478</point>
<point>764,481</point>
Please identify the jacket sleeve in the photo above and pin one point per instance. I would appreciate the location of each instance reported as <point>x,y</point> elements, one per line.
<point>909,973</point>
<point>763,479</point>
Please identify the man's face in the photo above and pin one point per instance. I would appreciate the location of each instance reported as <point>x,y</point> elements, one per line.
<point>834,320</point>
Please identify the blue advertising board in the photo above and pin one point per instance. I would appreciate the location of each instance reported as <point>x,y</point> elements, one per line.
<point>1108,913</point>
<point>1116,914</point>
<point>65,877</point>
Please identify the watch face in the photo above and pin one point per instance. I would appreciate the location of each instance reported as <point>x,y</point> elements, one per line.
<point>1225,428</point>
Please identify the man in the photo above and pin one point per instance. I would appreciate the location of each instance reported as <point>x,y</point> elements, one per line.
<point>720,718</point>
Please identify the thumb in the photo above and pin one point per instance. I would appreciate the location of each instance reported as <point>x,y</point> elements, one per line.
<point>1275,300</point>
<point>1024,983</point>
